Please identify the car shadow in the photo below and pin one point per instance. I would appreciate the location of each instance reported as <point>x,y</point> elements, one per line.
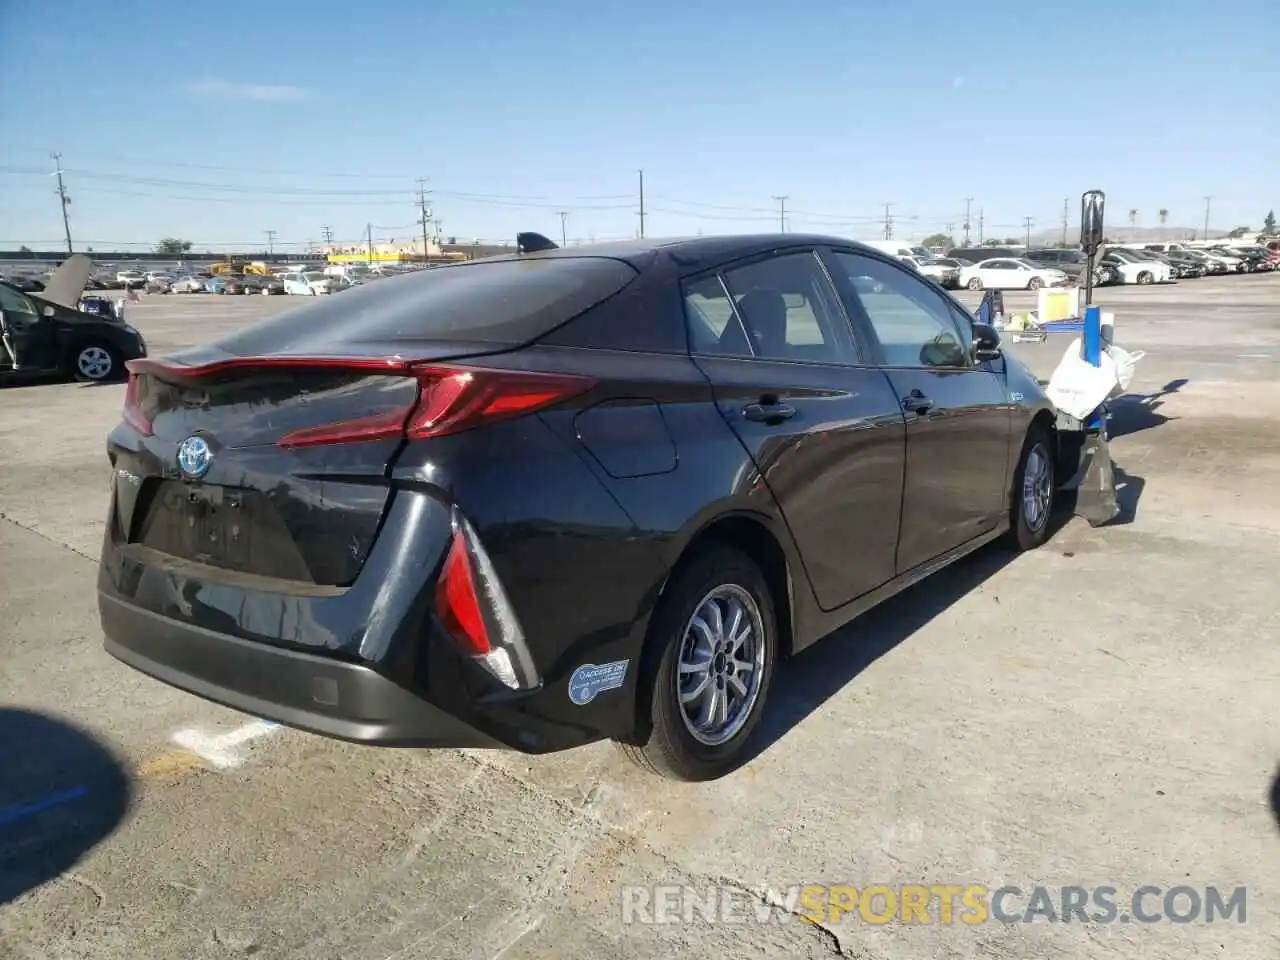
<point>1274,798</point>
<point>62,792</point>
<point>809,679</point>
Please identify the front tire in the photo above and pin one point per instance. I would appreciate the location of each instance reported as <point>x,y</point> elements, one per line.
<point>709,661</point>
<point>96,362</point>
<point>1032,494</point>
<point>1145,278</point>
<point>975,284</point>
<point>1035,284</point>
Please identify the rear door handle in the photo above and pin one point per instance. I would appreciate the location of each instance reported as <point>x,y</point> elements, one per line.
<point>768,412</point>
<point>916,402</point>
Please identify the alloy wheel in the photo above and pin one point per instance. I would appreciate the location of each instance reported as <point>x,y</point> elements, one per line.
<point>721,665</point>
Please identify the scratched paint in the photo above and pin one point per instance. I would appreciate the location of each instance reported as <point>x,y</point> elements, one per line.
<point>10,815</point>
<point>223,751</point>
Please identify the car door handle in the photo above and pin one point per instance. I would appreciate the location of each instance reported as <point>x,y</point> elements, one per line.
<point>916,402</point>
<point>768,412</point>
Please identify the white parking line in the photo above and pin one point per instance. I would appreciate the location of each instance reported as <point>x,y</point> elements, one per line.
<point>223,750</point>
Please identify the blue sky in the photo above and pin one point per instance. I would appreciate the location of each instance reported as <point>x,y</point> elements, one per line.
<point>217,124</point>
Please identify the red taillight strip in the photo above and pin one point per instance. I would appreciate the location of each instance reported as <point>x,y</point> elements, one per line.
<point>133,414</point>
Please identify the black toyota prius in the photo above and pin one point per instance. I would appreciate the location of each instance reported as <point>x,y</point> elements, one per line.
<point>561,495</point>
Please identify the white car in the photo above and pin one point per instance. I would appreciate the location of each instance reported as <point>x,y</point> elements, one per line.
<point>938,271</point>
<point>130,278</point>
<point>1009,273</point>
<point>1136,270</point>
<point>310,284</point>
<point>1234,264</point>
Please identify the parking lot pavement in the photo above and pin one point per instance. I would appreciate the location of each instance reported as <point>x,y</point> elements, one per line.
<point>1098,712</point>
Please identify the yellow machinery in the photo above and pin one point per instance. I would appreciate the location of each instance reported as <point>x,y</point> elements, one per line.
<point>237,265</point>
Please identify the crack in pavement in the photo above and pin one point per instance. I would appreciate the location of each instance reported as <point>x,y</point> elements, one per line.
<point>46,538</point>
<point>584,813</point>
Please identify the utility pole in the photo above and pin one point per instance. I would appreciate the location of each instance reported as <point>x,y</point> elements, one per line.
<point>981,220</point>
<point>951,231</point>
<point>62,196</point>
<point>641,172</point>
<point>1026,223</point>
<point>967,203</point>
<point>439,235</point>
<point>782,213</point>
<point>369,235</point>
<point>424,214</point>
<point>564,215</point>
<point>271,242</point>
<point>327,233</point>
<point>1066,213</point>
<point>1205,237</point>
<point>888,222</point>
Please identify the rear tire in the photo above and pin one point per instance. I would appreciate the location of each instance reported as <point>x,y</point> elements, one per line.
<point>1145,278</point>
<point>674,739</point>
<point>975,284</point>
<point>1032,495</point>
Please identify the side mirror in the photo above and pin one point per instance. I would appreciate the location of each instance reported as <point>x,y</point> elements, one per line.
<point>986,342</point>
<point>1092,208</point>
<point>48,311</point>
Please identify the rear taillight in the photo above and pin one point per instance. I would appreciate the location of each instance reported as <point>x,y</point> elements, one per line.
<point>450,400</point>
<point>474,610</point>
<point>134,413</point>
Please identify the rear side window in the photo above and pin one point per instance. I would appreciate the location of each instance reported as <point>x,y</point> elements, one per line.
<point>779,308</point>
<point>501,302</point>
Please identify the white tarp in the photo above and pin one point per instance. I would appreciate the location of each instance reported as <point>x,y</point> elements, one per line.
<point>1078,388</point>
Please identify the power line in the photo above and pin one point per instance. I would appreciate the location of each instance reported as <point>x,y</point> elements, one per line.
<point>62,197</point>
<point>642,214</point>
<point>424,214</point>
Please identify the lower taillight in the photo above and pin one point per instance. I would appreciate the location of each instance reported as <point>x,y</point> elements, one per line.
<point>134,409</point>
<point>450,400</point>
<point>474,610</point>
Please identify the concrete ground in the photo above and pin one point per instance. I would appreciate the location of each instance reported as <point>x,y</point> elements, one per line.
<point>1101,711</point>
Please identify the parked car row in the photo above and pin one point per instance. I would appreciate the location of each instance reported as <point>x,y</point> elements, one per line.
<point>1005,268</point>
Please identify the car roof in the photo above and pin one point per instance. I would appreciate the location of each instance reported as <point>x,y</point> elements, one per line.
<point>686,250</point>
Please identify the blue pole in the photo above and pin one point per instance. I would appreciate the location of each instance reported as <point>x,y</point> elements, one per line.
<point>1092,349</point>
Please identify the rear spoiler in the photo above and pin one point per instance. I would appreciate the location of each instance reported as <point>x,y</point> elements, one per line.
<point>533,243</point>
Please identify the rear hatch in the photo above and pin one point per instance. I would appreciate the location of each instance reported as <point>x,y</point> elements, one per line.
<point>268,454</point>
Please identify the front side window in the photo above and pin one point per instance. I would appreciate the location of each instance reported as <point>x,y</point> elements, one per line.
<point>911,320</point>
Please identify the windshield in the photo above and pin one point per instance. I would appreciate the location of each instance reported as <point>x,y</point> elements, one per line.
<point>923,253</point>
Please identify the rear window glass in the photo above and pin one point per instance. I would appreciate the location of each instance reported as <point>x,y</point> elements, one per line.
<point>503,302</point>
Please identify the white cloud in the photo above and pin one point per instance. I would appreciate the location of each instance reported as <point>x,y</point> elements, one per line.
<point>259,92</point>
<point>957,83</point>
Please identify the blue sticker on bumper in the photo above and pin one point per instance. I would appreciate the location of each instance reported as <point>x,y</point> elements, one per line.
<point>590,680</point>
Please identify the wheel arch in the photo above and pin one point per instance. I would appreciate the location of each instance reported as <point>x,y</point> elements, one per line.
<point>755,535</point>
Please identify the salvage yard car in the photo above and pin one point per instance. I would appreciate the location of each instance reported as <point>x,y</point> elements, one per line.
<point>1010,273</point>
<point>561,495</point>
<point>46,334</point>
